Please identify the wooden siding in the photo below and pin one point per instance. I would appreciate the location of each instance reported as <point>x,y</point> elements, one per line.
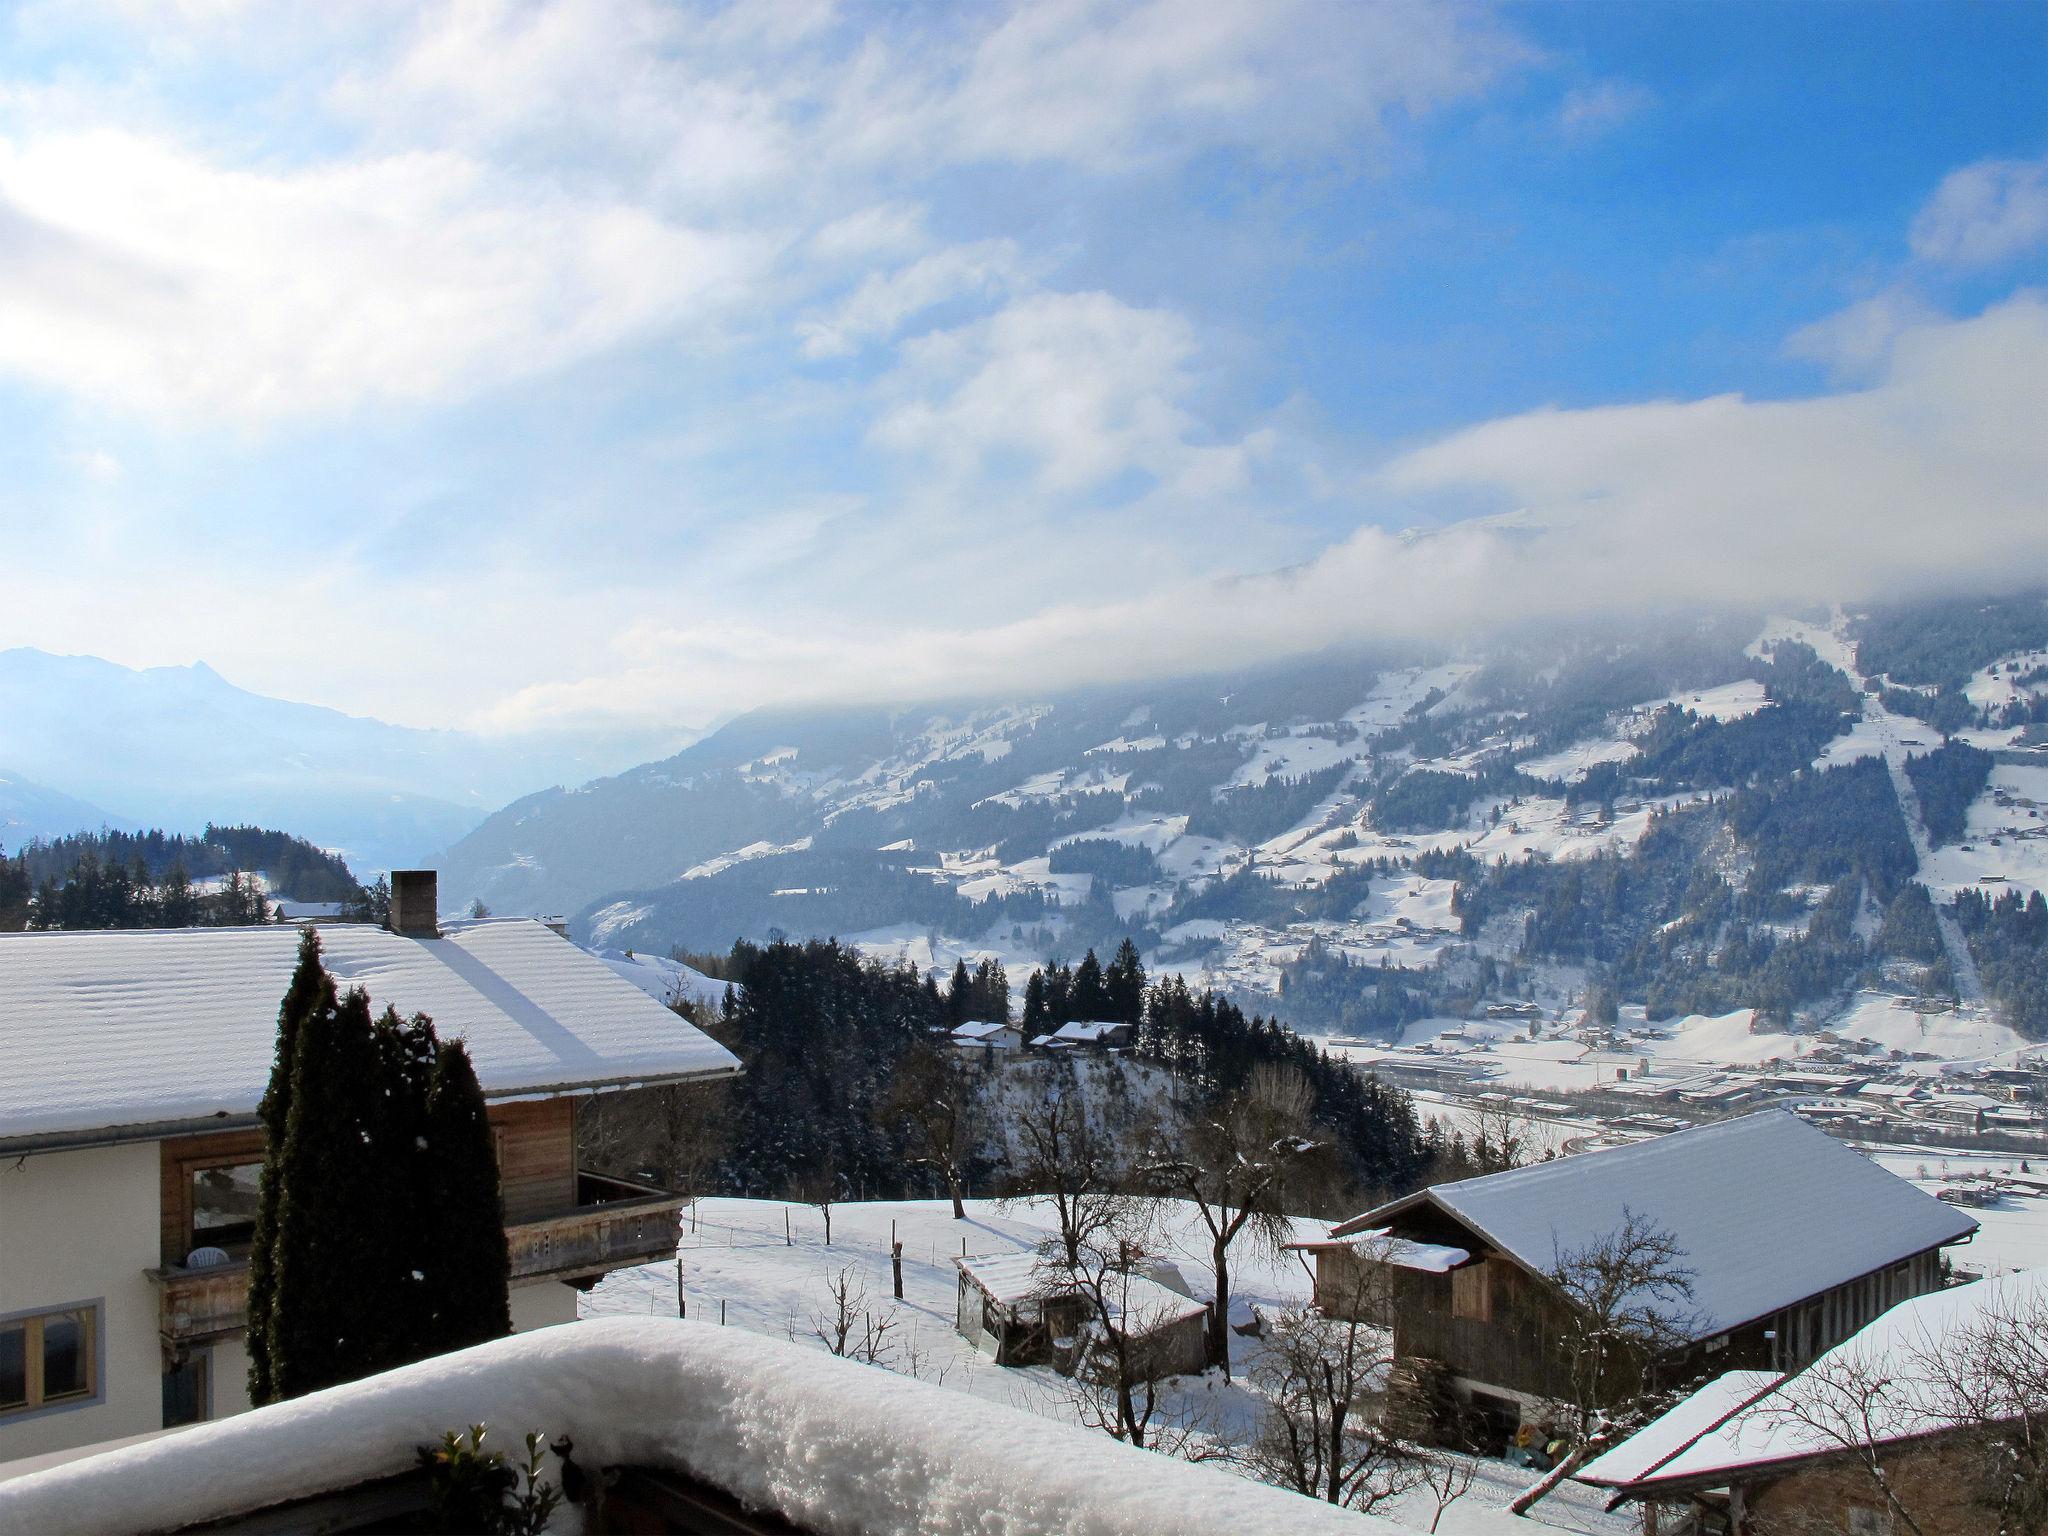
<point>536,1166</point>
<point>536,1157</point>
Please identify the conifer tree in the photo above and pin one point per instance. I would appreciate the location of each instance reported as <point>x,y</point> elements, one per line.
<point>1124,983</point>
<point>311,988</point>
<point>319,1331</point>
<point>399,1211</point>
<point>960,997</point>
<point>465,1265</point>
<point>1036,1017</point>
<point>1090,998</point>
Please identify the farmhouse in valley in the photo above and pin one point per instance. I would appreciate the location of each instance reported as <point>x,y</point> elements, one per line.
<point>130,1149</point>
<point>1792,1239</point>
<point>1918,1396</point>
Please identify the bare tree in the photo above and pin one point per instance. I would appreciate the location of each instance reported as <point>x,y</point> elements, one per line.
<point>1628,1298</point>
<point>679,1133</point>
<point>1067,1158</point>
<point>1502,1136</point>
<point>1242,1162</point>
<point>1981,1386</point>
<point>938,1101</point>
<point>849,1324</point>
<point>1110,1303</point>
<point>1319,1372</point>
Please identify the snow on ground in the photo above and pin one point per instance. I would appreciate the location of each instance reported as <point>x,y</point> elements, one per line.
<point>1962,1036</point>
<point>1826,640</point>
<point>2012,1233</point>
<point>1124,744</point>
<point>772,1284</point>
<point>1396,693</point>
<point>2005,840</point>
<point>1292,755</point>
<point>1730,701</point>
<point>1153,832</point>
<point>1879,733</point>
<point>1999,684</point>
<point>668,982</point>
<point>1576,761</point>
<point>719,864</point>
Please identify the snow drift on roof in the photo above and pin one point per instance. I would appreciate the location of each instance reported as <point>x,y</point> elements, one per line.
<point>1766,1184</point>
<point>1758,1433</point>
<point>830,1444</point>
<point>109,1029</point>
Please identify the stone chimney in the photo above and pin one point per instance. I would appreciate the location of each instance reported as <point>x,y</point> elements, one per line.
<point>415,903</point>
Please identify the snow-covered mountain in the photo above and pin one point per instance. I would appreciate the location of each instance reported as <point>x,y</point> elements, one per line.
<point>1361,810</point>
<point>179,746</point>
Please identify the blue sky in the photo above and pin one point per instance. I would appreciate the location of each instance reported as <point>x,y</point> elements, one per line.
<point>626,362</point>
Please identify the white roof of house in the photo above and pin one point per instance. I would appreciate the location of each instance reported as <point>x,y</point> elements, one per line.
<point>1741,1420</point>
<point>1087,1030</point>
<point>981,1029</point>
<point>144,1027</point>
<point>1013,1278</point>
<point>1768,1210</point>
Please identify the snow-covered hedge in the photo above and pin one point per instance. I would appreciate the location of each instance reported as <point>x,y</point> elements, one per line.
<point>837,1447</point>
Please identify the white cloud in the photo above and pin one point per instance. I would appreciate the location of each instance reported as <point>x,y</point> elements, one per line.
<point>1080,388</point>
<point>1592,109</point>
<point>134,272</point>
<point>877,309</point>
<point>1856,342</point>
<point>1984,214</point>
<point>1929,480</point>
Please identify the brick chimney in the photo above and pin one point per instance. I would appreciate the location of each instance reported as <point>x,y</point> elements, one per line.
<point>415,903</point>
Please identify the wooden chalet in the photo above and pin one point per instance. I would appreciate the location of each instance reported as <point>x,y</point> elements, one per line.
<point>1793,1240</point>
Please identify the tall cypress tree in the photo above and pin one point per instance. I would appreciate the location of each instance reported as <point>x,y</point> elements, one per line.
<point>311,988</point>
<point>465,1267</point>
<point>397,1211</point>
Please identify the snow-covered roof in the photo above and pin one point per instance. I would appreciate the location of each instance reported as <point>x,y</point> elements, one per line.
<point>1380,1245</point>
<point>981,1029</point>
<point>109,1032</point>
<point>829,1444</point>
<point>668,982</point>
<point>1762,1184</point>
<point>1735,1424</point>
<point>1013,1278</point>
<point>1087,1032</point>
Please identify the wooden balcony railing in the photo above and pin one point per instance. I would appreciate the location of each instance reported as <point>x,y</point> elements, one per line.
<point>618,1225</point>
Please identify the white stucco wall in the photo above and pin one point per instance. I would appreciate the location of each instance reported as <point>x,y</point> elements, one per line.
<point>542,1305</point>
<point>82,1227</point>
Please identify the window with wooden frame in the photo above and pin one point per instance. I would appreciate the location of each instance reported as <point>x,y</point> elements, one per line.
<point>1472,1293</point>
<point>224,1200</point>
<point>49,1359</point>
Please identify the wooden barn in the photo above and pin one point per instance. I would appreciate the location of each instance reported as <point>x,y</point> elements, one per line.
<point>1793,1240</point>
<point>1020,1309</point>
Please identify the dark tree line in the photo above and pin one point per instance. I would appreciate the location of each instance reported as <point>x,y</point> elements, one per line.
<point>1088,993</point>
<point>1948,780</point>
<point>2009,939</point>
<point>96,895</point>
<point>1214,1047</point>
<point>380,1234</point>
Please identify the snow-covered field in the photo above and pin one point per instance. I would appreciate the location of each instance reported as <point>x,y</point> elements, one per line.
<point>2005,840</point>
<point>742,1266</point>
